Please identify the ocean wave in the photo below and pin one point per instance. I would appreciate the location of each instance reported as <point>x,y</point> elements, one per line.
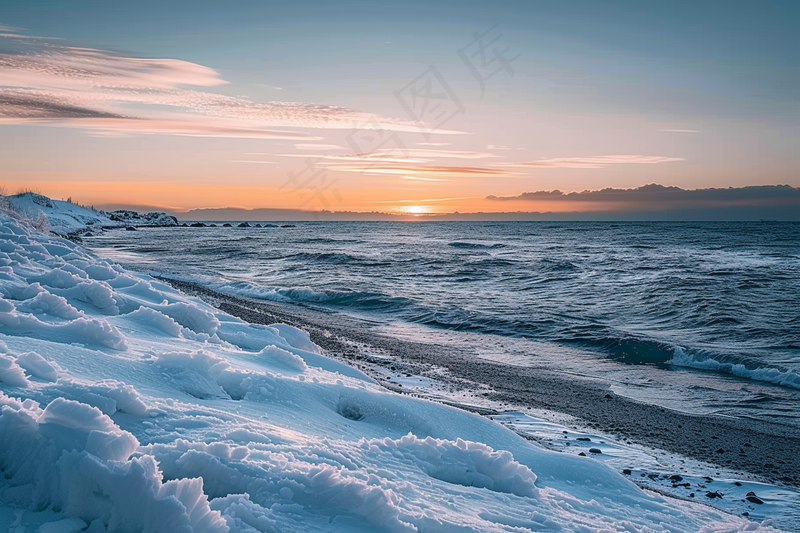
<point>475,245</point>
<point>356,299</point>
<point>756,372</point>
<point>633,350</point>
<point>364,300</point>
<point>333,258</point>
<point>557,265</point>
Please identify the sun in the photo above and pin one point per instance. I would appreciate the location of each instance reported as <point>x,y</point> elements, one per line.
<point>415,209</point>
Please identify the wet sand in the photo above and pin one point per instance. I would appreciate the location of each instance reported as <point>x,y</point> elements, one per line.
<point>761,450</point>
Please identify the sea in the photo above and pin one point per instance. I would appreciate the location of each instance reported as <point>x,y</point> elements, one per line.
<point>698,317</point>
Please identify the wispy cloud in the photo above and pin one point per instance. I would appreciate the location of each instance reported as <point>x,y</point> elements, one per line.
<point>52,84</point>
<point>315,146</point>
<point>600,161</point>
<point>681,131</point>
<point>434,144</point>
<point>426,200</point>
<point>393,155</point>
<point>417,178</point>
<point>446,154</point>
<point>426,170</point>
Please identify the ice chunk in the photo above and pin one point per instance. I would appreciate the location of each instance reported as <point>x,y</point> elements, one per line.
<point>37,366</point>
<point>50,304</point>
<point>472,464</point>
<point>95,293</point>
<point>283,358</point>
<point>11,373</point>
<point>67,525</point>
<point>296,338</point>
<point>156,319</point>
<point>191,316</point>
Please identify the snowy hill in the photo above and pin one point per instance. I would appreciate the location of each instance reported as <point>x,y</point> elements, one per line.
<point>63,218</point>
<point>66,218</point>
<point>128,406</point>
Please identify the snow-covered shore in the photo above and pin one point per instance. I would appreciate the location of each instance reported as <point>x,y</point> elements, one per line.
<point>66,218</point>
<point>128,406</point>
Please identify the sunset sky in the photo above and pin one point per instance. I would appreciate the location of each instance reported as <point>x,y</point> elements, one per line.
<point>406,107</point>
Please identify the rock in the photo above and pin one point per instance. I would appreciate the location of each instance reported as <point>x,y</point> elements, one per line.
<point>197,225</point>
<point>226,225</point>
<point>691,494</point>
<point>595,450</point>
<point>720,450</point>
<point>627,471</point>
<point>586,439</point>
<point>244,225</point>
<point>745,513</point>
<point>676,477</point>
<point>608,397</point>
<point>130,228</point>
<point>154,218</point>
<point>288,226</point>
<point>713,495</point>
<point>752,498</point>
<point>582,454</point>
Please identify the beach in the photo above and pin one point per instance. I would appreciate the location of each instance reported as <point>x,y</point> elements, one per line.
<point>754,448</point>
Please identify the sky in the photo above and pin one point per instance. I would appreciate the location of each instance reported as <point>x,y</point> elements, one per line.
<point>397,107</point>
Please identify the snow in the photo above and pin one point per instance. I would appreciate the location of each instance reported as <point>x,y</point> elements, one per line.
<point>65,218</point>
<point>128,406</point>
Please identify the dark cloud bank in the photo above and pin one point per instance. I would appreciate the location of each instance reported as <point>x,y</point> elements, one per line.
<point>657,202</point>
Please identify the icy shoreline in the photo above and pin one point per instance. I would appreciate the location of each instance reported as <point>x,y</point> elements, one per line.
<point>129,406</point>
<point>650,444</point>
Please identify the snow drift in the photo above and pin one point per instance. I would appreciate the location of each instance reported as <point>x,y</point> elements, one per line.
<point>128,406</point>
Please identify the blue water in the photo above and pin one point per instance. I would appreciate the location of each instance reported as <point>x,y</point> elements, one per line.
<point>721,299</point>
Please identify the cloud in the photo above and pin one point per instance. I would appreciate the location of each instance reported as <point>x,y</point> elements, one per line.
<point>433,154</point>
<point>61,85</point>
<point>120,126</point>
<point>681,131</point>
<point>426,200</point>
<point>417,178</point>
<point>314,146</point>
<point>600,161</point>
<point>656,197</point>
<point>390,156</point>
<point>434,144</point>
<point>334,159</point>
<point>426,170</point>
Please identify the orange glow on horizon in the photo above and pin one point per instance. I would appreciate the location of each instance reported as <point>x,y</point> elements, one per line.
<point>179,197</point>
